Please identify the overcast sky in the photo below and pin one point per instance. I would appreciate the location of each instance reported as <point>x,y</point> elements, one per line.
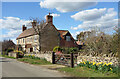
<point>73,16</point>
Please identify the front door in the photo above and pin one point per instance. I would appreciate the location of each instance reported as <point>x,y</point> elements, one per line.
<point>31,49</point>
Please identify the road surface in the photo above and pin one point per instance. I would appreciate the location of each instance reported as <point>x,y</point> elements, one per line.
<point>14,68</point>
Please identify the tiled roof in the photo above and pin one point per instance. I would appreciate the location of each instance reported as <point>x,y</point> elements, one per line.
<point>80,43</point>
<point>26,33</point>
<point>31,31</point>
<point>62,33</point>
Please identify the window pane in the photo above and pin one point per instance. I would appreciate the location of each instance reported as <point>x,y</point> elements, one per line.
<point>68,38</point>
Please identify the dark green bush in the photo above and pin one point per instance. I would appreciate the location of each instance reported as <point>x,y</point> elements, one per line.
<point>7,51</point>
<point>20,54</point>
<point>10,50</point>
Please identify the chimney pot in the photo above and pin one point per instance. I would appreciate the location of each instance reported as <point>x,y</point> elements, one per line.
<point>24,28</point>
<point>33,23</point>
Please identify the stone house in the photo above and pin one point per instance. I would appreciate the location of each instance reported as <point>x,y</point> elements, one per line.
<point>28,39</point>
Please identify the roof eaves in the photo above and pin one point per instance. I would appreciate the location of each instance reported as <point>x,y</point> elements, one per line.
<point>25,36</point>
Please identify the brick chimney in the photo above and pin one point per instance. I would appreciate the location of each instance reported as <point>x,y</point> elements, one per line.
<point>33,23</point>
<point>24,28</point>
<point>49,19</point>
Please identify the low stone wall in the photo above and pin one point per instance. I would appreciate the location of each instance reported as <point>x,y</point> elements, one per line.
<point>44,55</point>
<point>12,54</point>
<point>114,60</point>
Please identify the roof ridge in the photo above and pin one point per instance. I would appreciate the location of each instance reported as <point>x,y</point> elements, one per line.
<point>62,30</point>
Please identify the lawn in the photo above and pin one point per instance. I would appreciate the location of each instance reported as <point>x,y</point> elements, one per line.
<point>86,72</point>
<point>36,61</point>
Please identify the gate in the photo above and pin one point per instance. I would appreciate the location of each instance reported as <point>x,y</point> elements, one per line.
<point>69,60</point>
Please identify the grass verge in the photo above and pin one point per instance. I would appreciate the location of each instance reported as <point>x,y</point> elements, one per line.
<point>34,61</point>
<point>7,56</point>
<point>86,72</point>
<point>0,55</point>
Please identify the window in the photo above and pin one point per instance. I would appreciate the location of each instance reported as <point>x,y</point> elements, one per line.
<point>18,41</point>
<point>68,38</point>
<point>35,48</point>
<point>35,38</point>
<point>29,39</point>
<point>23,40</point>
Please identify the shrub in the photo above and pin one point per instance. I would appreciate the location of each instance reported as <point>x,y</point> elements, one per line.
<point>6,52</point>
<point>32,57</point>
<point>20,54</point>
<point>73,50</point>
<point>99,43</point>
<point>70,50</point>
<point>9,50</point>
<point>57,48</point>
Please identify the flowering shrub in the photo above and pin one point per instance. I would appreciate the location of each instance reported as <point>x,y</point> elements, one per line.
<point>56,48</point>
<point>103,67</point>
<point>19,53</point>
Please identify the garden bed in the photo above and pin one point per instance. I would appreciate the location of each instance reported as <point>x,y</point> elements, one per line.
<point>92,69</point>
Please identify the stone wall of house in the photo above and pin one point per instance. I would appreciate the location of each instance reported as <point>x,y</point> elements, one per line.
<point>12,54</point>
<point>114,60</point>
<point>49,38</point>
<point>32,40</point>
<point>44,55</point>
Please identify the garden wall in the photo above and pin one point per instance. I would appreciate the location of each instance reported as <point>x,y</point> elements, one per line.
<point>12,54</point>
<point>44,55</point>
<point>114,60</point>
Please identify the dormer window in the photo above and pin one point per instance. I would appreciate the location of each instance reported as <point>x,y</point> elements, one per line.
<point>68,38</point>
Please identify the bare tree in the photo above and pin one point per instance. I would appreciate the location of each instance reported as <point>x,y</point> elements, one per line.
<point>98,43</point>
<point>83,35</point>
<point>38,26</point>
<point>7,44</point>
